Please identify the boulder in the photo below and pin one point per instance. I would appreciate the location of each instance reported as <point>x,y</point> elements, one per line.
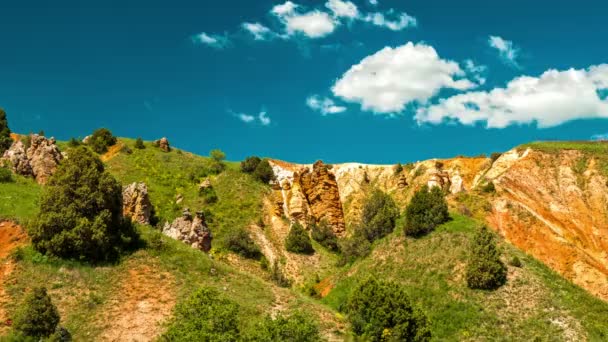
<point>163,144</point>
<point>39,160</point>
<point>191,230</point>
<point>206,184</point>
<point>136,203</point>
<point>16,158</point>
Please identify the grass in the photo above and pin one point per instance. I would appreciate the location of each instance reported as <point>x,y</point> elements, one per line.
<point>19,199</point>
<point>594,147</point>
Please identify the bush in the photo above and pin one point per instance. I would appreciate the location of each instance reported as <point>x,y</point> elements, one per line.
<point>324,235</point>
<point>495,156</point>
<point>37,316</point>
<point>398,169</point>
<point>426,210</point>
<point>298,327</point>
<point>73,142</point>
<point>263,172</point>
<point>5,133</point>
<point>6,176</point>
<point>139,144</point>
<point>515,262</point>
<point>379,215</point>
<point>484,269</point>
<point>81,211</point>
<point>208,194</point>
<point>60,335</point>
<point>205,316</point>
<point>381,311</point>
<point>354,247</point>
<point>101,139</point>
<point>276,274</point>
<point>241,243</point>
<point>488,188</point>
<point>298,241</point>
<point>248,165</point>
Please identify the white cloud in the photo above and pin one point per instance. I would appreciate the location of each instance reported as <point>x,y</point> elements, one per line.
<point>476,71</point>
<point>392,20</point>
<point>264,119</point>
<point>507,51</point>
<point>373,2</point>
<point>213,40</point>
<point>343,8</point>
<point>259,31</point>
<point>600,137</point>
<point>388,80</point>
<point>246,117</point>
<point>553,98</point>
<point>324,105</point>
<point>284,9</point>
<point>315,24</point>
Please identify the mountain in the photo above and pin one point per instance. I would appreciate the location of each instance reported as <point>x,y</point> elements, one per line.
<point>547,201</point>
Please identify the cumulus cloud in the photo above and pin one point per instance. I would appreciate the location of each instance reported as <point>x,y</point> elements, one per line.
<point>315,24</point>
<point>391,20</point>
<point>324,105</point>
<point>343,8</point>
<point>213,40</point>
<point>553,98</point>
<point>259,31</point>
<point>388,80</point>
<point>284,9</point>
<point>507,51</point>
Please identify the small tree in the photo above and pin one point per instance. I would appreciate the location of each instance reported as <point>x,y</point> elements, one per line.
<point>81,211</point>
<point>37,316</point>
<point>263,172</point>
<point>426,210</point>
<point>298,327</point>
<point>6,176</point>
<point>298,241</point>
<point>379,215</point>
<point>217,161</point>
<point>248,165</point>
<point>217,155</point>
<point>485,270</point>
<point>139,143</point>
<point>73,142</point>
<point>324,235</point>
<point>101,139</point>
<point>381,311</point>
<point>354,247</point>
<point>240,242</point>
<point>205,316</point>
<point>398,169</point>
<point>5,133</point>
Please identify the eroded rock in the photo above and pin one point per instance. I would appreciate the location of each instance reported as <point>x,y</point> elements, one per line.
<point>136,203</point>
<point>191,230</point>
<point>163,144</point>
<point>39,160</point>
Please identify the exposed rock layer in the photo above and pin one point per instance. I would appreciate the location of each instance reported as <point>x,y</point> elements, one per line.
<point>39,160</point>
<point>136,203</point>
<point>190,230</point>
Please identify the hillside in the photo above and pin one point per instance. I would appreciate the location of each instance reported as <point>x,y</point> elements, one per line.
<point>131,299</point>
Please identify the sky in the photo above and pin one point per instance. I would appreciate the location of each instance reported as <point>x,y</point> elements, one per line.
<point>375,81</point>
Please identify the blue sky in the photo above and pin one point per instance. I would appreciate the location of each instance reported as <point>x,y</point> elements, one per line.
<point>305,80</point>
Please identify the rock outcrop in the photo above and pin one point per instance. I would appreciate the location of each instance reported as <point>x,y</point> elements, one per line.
<point>39,160</point>
<point>163,144</point>
<point>190,230</point>
<point>136,203</point>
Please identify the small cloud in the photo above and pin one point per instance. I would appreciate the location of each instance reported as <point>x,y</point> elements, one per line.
<point>391,20</point>
<point>344,9</point>
<point>315,24</point>
<point>284,9</point>
<point>264,119</point>
<point>213,40</point>
<point>324,105</point>
<point>259,31</point>
<point>600,137</point>
<point>246,117</point>
<point>476,71</point>
<point>373,2</point>
<point>506,49</point>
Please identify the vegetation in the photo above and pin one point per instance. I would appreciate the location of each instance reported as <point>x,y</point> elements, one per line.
<point>6,176</point>
<point>276,274</point>
<point>516,262</point>
<point>241,243</point>
<point>208,195</point>
<point>398,169</point>
<point>354,247</point>
<point>484,269</point>
<point>139,143</point>
<point>263,172</point>
<point>5,133</point>
<point>19,199</point>
<point>101,139</point>
<point>37,317</point>
<point>379,215</point>
<point>381,311</point>
<point>297,327</point>
<point>73,142</point>
<point>494,156</point>
<point>323,233</point>
<point>488,188</point>
<point>249,165</point>
<point>205,316</point>
<point>81,212</point>
<point>298,241</point>
<point>426,210</point>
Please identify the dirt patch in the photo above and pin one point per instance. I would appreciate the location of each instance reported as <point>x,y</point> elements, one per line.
<point>143,301</point>
<point>11,237</point>
<point>324,287</point>
<point>113,151</point>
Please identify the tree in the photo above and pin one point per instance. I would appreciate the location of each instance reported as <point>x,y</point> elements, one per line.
<point>217,161</point>
<point>298,327</point>
<point>205,316</point>
<point>248,165</point>
<point>263,172</point>
<point>81,211</point>
<point>426,210</point>
<point>354,247</point>
<point>240,242</point>
<point>37,316</point>
<point>6,176</point>
<point>139,144</point>
<point>379,215</point>
<point>298,241</point>
<point>101,139</point>
<point>73,142</point>
<point>484,269</point>
<point>381,311</point>
<point>5,133</point>
<point>324,235</point>
<point>217,155</point>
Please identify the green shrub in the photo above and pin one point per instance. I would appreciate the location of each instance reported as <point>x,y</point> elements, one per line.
<point>515,262</point>
<point>208,194</point>
<point>139,144</point>
<point>298,241</point>
<point>276,274</point>
<point>217,155</point>
<point>495,156</point>
<point>205,316</point>
<point>324,235</point>
<point>484,269</point>
<point>381,311</point>
<point>354,247</point>
<point>398,169</point>
<point>81,211</point>
<point>488,188</point>
<point>73,142</point>
<point>5,133</point>
<point>37,316</point>
<point>61,334</point>
<point>6,176</point>
<point>379,215</point>
<point>426,210</point>
<point>248,165</point>
<point>239,241</point>
<point>297,327</point>
<point>101,139</point>
<point>263,172</point>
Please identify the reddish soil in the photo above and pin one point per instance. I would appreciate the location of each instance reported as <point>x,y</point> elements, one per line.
<point>11,237</point>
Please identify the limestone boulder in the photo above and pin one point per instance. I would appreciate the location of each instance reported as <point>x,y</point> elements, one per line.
<point>136,203</point>
<point>192,230</point>
<point>40,160</point>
